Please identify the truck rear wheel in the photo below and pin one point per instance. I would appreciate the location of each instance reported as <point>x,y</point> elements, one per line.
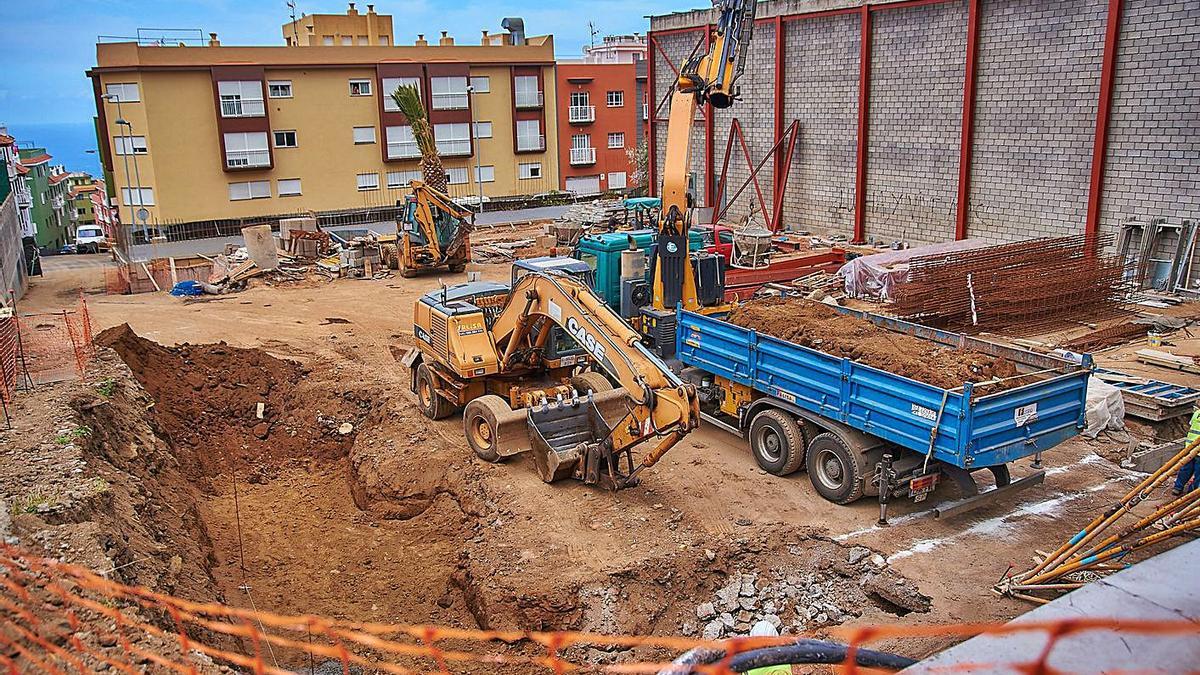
<point>835,469</point>
<point>431,403</point>
<point>776,442</point>
<point>480,424</point>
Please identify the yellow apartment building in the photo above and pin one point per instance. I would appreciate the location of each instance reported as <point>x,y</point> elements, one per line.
<point>202,133</point>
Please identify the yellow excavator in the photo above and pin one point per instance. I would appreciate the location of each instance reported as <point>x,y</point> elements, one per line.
<point>434,233</point>
<point>527,361</point>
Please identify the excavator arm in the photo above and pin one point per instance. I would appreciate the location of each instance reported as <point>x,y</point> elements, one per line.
<point>710,78</point>
<point>658,404</point>
<point>434,213</point>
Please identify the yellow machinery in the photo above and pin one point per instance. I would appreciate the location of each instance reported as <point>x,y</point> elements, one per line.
<point>508,356</point>
<point>434,233</point>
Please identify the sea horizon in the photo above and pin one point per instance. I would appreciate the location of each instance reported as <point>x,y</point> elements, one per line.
<point>67,142</point>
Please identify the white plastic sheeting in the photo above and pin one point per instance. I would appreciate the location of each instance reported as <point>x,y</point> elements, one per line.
<point>876,276</point>
<point>1105,408</point>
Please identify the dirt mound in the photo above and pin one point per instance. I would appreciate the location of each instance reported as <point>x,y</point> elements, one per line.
<point>207,400</point>
<point>823,328</point>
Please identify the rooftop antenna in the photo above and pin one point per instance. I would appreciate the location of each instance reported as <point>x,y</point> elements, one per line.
<point>291,4</point>
<point>594,32</point>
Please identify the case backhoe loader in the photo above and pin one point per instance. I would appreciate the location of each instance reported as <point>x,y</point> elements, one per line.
<point>434,233</point>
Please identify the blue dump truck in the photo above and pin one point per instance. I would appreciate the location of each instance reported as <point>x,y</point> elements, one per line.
<point>861,431</point>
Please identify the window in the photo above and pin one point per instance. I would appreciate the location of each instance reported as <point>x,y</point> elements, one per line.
<point>482,84</point>
<point>363,41</point>
<point>527,170</point>
<point>579,98</point>
<point>401,144</point>
<point>129,145</point>
<point>581,141</point>
<point>255,189</point>
<point>400,179</point>
<point>285,139</point>
<point>279,88</point>
<point>449,93</point>
<point>582,151</point>
<point>347,40</point>
<point>246,149</point>
<point>241,99</point>
<point>327,40</point>
<point>139,196</point>
<point>453,139</point>
<point>616,180</point>
<point>360,87</point>
<point>125,93</point>
<point>483,130</point>
<point>616,99</point>
<point>390,84</point>
<point>368,181</point>
<point>529,135</point>
<point>485,174</point>
<point>616,139</point>
<point>456,176</point>
<point>384,40</point>
<point>525,91</point>
<point>288,187</point>
<point>364,135</point>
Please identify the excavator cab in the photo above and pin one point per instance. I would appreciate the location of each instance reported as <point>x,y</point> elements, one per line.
<point>433,232</point>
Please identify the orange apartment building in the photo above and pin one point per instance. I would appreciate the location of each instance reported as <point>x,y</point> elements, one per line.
<point>601,115</point>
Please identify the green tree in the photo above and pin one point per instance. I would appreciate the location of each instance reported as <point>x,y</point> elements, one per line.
<point>408,99</point>
<point>639,159</point>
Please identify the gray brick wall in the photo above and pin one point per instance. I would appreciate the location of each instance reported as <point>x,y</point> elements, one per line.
<point>916,89</point>
<point>756,113</point>
<point>1154,124</point>
<point>821,91</point>
<point>677,47</point>
<point>1035,117</point>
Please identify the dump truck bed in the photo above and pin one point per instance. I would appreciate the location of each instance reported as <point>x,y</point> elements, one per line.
<point>973,430</point>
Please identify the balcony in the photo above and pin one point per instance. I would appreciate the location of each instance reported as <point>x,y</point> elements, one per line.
<point>457,148</point>
<point>526,100</point>
<point>403,150</point>
<point>242,107</point>
<point>450,101</point>
<point>582,156</point>
<point>247,159</point>
<point>531,143</point>
<point>24,200</point>
<point>581,114</point>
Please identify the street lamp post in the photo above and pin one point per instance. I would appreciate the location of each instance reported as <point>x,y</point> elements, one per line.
<point>136,176</point>
<point>475,143</point>
<point>127,139</point>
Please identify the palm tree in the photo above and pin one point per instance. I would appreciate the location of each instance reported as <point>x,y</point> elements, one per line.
<point>408,99</point>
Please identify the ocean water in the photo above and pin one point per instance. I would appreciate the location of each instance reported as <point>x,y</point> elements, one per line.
<point>67,143</point>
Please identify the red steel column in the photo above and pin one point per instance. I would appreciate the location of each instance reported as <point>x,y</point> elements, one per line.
<point>968,121</point>
<point>864,82</point>
<point>775,177</point>
<point>652,108</point>
<point>1100,145</point>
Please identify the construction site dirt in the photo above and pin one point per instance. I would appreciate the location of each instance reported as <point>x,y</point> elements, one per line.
<point>343,500</point>
<point>818,326</point>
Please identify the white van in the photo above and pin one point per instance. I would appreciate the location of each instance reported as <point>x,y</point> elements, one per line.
<point>90,239</point>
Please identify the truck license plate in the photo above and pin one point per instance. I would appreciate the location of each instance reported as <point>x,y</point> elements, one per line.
<point>920,487</point>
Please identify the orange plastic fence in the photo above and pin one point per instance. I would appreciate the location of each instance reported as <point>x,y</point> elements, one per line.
<point>55,345</point>
<point>9,353</point>
<point>60,618</point>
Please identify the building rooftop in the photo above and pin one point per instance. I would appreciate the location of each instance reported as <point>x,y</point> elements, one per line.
<point>34,160</point>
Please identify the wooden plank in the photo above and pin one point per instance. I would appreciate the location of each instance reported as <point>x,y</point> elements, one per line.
<point>1167,360</point>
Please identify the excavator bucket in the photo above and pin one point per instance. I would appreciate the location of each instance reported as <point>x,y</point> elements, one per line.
<point>562,433</point>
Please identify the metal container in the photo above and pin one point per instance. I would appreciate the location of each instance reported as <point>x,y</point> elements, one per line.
<point>751,247</point>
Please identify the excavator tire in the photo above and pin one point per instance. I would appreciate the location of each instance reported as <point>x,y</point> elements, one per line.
<point>590,381</point>
<point>431,403</point>
<point>457,268</point>
<point>481,426</point>
<point>406,271</point>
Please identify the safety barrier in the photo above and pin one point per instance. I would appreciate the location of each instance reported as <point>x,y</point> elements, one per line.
<point>58,617</point>
<point>44,347</point>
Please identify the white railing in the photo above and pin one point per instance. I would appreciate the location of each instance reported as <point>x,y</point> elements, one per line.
<point>582,113</point>
<point>242,107</point>
<point>451,148</point>
<point>528,99</point>
<point>531,143</point>
<point>450,101</point>
<point>645,111</point>
<point>243,159</point>
<point>583,155</point>
<point>403,150</point>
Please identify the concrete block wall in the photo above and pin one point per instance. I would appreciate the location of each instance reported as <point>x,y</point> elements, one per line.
<point>1153,159</point>
<point>678,47</point>
<point>821,91</point>
<point>918,58</point>
<point>756,114</point>
<point>1037,88</point>
<point>1038,79</point>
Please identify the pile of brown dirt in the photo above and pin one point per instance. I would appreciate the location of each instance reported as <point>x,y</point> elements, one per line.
<point>823,328</point>
<point>206,403</point>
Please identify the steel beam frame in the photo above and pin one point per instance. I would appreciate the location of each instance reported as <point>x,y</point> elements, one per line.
<point>968,122</point>
<point>1112,37</point>
<point>864,121</point>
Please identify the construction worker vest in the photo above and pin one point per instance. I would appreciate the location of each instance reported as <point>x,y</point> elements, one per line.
<point>1194,432</point>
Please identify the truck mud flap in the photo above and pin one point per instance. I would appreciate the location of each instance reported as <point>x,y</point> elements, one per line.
<point>560,433</point>
<point>991,496</point>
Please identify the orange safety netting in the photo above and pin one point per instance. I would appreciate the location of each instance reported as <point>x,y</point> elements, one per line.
<point>58,618</point>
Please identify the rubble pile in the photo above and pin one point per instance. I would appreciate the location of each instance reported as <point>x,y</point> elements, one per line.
<point>594,213</point>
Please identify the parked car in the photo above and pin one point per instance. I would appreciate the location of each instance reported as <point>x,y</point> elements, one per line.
<point>90,239</point>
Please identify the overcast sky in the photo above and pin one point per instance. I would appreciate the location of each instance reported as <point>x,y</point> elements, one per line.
<point>48,44</point>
